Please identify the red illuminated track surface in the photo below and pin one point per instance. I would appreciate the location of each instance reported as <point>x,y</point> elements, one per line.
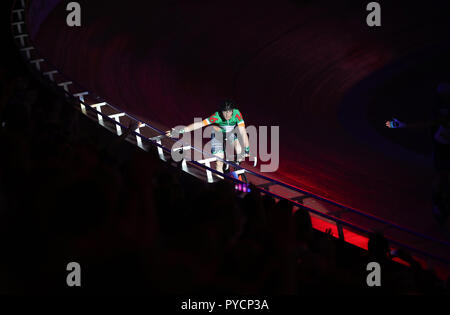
<point>286,64</point>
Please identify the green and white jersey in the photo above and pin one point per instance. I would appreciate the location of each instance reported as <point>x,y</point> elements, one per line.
<point>225,125</point>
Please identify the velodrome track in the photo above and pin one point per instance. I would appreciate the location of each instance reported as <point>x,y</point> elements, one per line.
<point>308,68</point>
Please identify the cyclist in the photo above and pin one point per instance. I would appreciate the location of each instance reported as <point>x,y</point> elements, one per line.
<point>227,121</point>
<point>441,150</point>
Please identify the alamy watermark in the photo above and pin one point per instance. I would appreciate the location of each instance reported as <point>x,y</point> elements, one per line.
<point>374,277</point>
<point>264,143</point>
<point>74,17</point>
<point>374,17</point>
<point>73,278</point>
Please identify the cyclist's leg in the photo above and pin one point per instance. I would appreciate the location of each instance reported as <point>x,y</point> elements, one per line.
<point>238,150</point>
<point>237,146</point>
<point>219,164</point>
<point>217,149</point>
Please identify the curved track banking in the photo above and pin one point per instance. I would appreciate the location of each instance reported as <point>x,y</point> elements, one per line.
<point>287,64</point>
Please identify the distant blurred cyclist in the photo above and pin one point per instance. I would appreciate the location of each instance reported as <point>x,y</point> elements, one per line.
<point>441,127</point>
<point>441,150</point>
<point>225,121</point>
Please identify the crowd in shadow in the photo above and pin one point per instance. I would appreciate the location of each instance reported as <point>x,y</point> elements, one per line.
<point>73,192</point>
